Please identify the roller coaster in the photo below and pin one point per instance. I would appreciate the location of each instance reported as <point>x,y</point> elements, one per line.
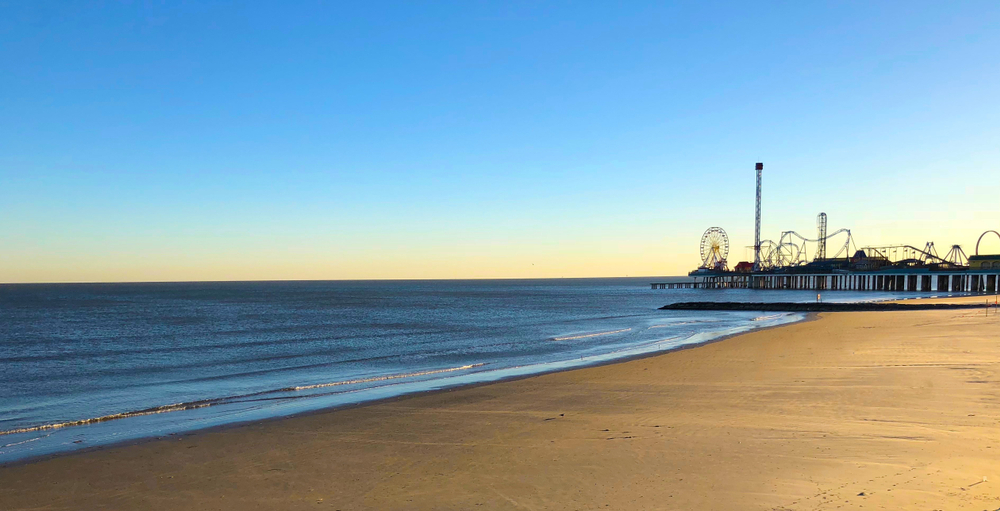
<point>910,256</point>
<point>793,250</point>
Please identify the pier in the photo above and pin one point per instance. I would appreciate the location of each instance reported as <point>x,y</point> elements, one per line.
<point>786,264</point>
<point>969,281</point>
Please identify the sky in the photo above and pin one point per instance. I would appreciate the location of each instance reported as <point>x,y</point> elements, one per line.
<point>178,141</point>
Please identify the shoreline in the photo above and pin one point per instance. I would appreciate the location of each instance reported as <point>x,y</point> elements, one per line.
<point>889,408</point>
<point>140,438</point>
<point>790,308</point>
<point>810,316</point>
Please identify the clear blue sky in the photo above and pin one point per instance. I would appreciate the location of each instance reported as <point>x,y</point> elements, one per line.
<point>266,140</point>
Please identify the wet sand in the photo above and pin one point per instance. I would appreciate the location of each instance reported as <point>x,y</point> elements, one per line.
<point>854,410</point>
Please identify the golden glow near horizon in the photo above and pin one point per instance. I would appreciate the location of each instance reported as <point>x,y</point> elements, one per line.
<point>613,256</point>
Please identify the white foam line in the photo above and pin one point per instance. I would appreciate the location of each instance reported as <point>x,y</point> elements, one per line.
<point>762,318</point>
<point>23,442</point>
<point>383,378</point>
<point>570,338</point>
<point>176,407</point>
<point>686,323</point>
<point>123,415</point>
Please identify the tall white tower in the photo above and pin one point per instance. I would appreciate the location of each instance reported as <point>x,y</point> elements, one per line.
<point>756,233</point>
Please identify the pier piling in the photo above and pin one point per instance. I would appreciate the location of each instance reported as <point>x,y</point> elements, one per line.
<point>957,282</point>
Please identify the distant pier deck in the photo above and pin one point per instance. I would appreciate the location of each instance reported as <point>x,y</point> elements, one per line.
<point>970,281</point>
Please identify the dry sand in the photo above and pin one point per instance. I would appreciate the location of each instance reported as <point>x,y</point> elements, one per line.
<point>869,410</point>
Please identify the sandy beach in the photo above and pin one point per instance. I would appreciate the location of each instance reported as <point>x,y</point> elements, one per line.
<point>857,410</point>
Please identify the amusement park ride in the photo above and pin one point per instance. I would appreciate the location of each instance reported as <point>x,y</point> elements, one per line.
<point>714,249</point>
<point>796,261</point>
<point>792,250</point>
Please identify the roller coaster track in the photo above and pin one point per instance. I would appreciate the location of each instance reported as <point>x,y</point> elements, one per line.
<point>890,253</point>
<point>786,238</point>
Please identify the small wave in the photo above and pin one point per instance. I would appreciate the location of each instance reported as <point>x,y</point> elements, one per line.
<point>764,318</point>
<point>82,422</point>
<point>697,321</point>
<point>645,344</point>
<point>12,444</point>
<point>570,338</point>
<point>384,378</point>
<point>204,403</point>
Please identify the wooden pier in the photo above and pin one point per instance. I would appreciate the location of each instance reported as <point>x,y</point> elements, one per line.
<point>926,281</point>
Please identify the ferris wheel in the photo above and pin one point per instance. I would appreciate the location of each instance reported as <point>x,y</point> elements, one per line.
<point>714,249</point>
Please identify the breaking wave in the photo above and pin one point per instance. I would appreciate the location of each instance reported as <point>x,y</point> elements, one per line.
<point>764,318</point>
<point>204,403</point>
<point>584,336</point>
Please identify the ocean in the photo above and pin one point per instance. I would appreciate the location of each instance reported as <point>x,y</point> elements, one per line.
<point>85,365</point>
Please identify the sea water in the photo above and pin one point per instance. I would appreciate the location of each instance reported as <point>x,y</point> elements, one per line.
<point>83,365</point>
